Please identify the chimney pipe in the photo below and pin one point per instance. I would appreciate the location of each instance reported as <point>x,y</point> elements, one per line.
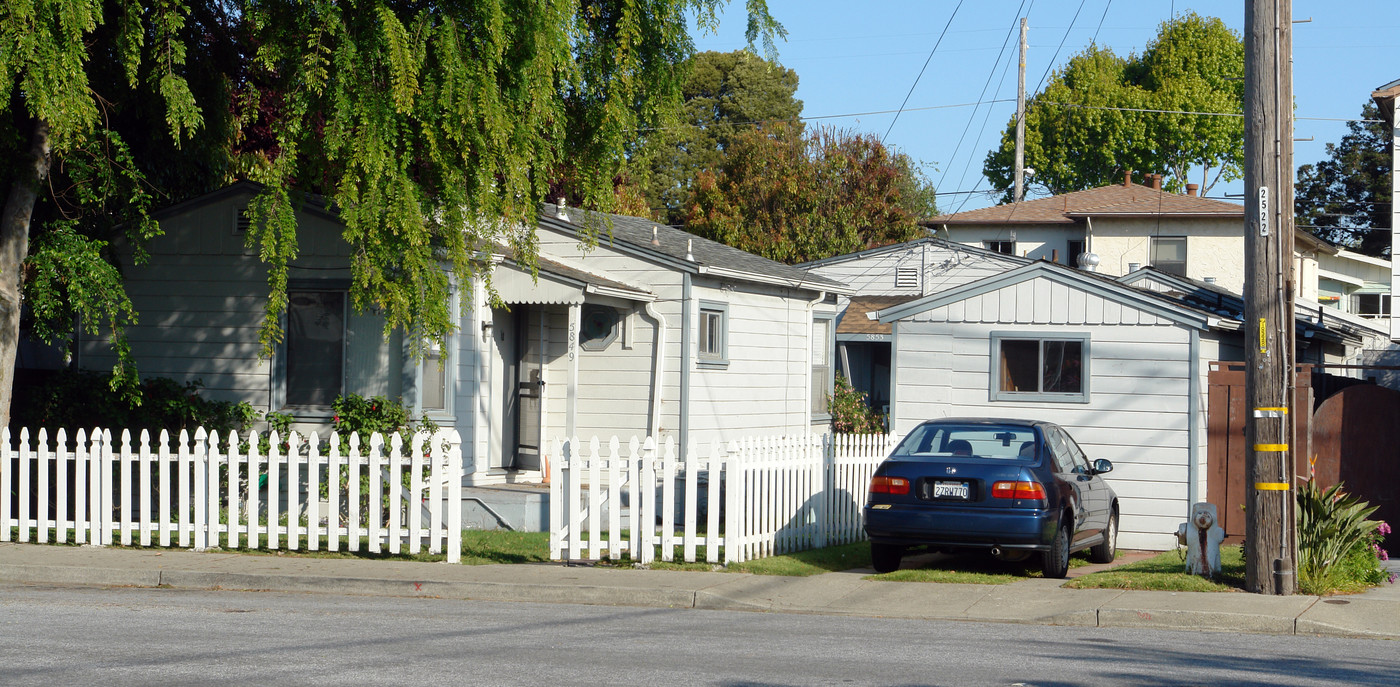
<point>1191,189</point>
<point>1156,182</point>
<point>1127,178</point>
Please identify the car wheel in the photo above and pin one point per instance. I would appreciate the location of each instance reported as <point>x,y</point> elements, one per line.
<point>1055,562</point>
<point>885,557</point>
<point>1104,551</point>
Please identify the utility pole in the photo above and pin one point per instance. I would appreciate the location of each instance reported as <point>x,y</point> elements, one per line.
<point>1020,191</point>
<point>1268,244</point>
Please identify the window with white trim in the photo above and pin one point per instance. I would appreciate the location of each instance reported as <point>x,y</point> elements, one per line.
<point>1003,247</point>
<point>714,334</point>
<point>821,365</point>
<point>434,378</point>
<point>1371,304</point>
<point>1040,368</point>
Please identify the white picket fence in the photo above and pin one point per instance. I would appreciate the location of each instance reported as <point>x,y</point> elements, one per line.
<point>758,497</point>
<point>194,492</point>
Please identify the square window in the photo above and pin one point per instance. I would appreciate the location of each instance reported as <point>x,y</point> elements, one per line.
<point>1049,369</point>
<point>1169,254</point>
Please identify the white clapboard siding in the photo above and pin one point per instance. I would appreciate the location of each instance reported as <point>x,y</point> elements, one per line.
<point>743,500</point>
<point>194,492</point>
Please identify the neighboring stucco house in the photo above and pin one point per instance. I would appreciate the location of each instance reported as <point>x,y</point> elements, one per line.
<point>1355,283</point>
<point>653,331</point>
<point>890,275</point>
<point>1126,226</point>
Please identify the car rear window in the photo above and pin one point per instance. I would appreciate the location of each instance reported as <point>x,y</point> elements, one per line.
<point>1003,442</point>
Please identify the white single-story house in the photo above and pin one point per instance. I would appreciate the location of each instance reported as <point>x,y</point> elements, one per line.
<point>886,276</point>
<point>1124,370</point>
<point>651,331</point>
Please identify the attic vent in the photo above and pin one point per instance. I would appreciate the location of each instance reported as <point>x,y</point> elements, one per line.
<point>906,277</point>
<point>241,222</point>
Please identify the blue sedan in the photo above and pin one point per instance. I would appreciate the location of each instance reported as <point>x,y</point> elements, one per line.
<point>1010,487</point>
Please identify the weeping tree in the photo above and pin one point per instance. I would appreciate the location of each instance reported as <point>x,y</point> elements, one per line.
<point>433,130</point>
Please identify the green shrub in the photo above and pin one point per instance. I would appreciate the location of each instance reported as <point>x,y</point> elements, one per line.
<point>850,414</point>
<point>82,400</point>
<point>1338,547</point>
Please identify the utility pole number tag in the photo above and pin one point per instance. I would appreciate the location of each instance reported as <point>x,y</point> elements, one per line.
<point>1263,210</point>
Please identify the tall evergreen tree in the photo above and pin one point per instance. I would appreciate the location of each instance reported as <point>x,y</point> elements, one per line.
<point>1346,198</point>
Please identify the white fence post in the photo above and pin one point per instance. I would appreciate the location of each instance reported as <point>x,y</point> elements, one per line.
<point>454,498</point>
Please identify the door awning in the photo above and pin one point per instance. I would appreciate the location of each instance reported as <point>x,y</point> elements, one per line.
<point>558,284</point>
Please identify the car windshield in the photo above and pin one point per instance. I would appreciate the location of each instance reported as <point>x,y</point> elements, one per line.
<point>937,440</point>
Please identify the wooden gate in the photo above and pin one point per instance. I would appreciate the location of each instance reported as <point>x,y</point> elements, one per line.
<point>1225,450</point>
<point>1356,441</point>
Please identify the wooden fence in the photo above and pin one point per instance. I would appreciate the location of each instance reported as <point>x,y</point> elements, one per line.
<point>745,500</point>
<point>199,492</point>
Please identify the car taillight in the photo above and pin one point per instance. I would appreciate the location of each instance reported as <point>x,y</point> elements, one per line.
<point>1018,490</point>
<point>889,485</point>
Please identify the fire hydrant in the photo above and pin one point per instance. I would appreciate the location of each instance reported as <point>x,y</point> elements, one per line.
<point>1202,537</point>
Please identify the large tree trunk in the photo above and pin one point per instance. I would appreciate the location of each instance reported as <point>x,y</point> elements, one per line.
<point>14,248</point>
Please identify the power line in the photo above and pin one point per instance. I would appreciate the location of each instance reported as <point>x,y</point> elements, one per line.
<point>921,70</point>
<point>1063,38</point>
<point>983,94</point>
<point>1095,39</point>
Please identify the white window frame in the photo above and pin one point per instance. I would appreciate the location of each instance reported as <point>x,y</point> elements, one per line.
<point>823,385</point>
<point>994,382</point>
<point>996,247</point>
<point>718,358</point>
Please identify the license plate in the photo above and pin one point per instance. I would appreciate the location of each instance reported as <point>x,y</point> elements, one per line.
<point>950,490</point>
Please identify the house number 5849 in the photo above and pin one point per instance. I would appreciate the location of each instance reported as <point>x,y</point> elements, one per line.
<point>573,339</point>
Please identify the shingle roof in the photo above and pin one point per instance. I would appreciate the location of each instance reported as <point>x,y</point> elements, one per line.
<point>855,320</point>
<point>673,243</point>
<point>1065,208</point>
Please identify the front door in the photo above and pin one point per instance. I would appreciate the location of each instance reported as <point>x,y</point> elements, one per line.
<point>529,388</point>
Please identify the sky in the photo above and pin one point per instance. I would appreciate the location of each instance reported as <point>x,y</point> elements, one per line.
<point>857,62</point>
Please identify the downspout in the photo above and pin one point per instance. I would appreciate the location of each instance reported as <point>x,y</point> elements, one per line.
<point>1193,419</point>
<point>1088,235</point>
<point>685,364</point>
<point>657,367</point>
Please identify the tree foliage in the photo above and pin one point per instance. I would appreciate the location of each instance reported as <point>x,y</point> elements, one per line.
<point>724,94</point>
<point>1074,141</point>
<point>99,113</point>
<point>419,120</point>
<point>433,130</point>
<point>793,197</point>
<point>1346,198</point>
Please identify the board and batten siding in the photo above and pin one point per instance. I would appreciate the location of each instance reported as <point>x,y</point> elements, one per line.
<point>1138,412</point>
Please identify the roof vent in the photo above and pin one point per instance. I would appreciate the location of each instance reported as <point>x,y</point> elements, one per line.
<point>689,255</point>
<point>1127,178</point>
<point>1089,262</point>
<point>562,210</point>
<point>1210,280</point>
<point>654,241</point>
<point>1191,189</point>
<point>906,277</point>
<point>1134,266</point>
<point>1156,182</point>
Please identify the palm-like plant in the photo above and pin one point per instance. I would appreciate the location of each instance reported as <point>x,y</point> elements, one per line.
<point>1330,524</point>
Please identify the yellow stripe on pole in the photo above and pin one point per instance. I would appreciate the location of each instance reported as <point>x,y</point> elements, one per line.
<point>1271,447</point>
<point>1271,486</point>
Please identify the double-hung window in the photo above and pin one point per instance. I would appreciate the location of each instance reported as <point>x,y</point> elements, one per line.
<point>1040,368</point>
<point>821,365</point>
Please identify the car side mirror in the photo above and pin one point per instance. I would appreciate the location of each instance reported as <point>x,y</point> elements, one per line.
<point>1102,465</point>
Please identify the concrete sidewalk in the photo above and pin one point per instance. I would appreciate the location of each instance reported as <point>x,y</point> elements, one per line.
<point>1374,614</point>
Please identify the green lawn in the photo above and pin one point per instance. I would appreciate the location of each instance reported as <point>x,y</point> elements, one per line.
<point>1167,572</point>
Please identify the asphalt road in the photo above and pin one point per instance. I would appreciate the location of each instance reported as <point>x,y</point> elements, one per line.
<point>127,636</point>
